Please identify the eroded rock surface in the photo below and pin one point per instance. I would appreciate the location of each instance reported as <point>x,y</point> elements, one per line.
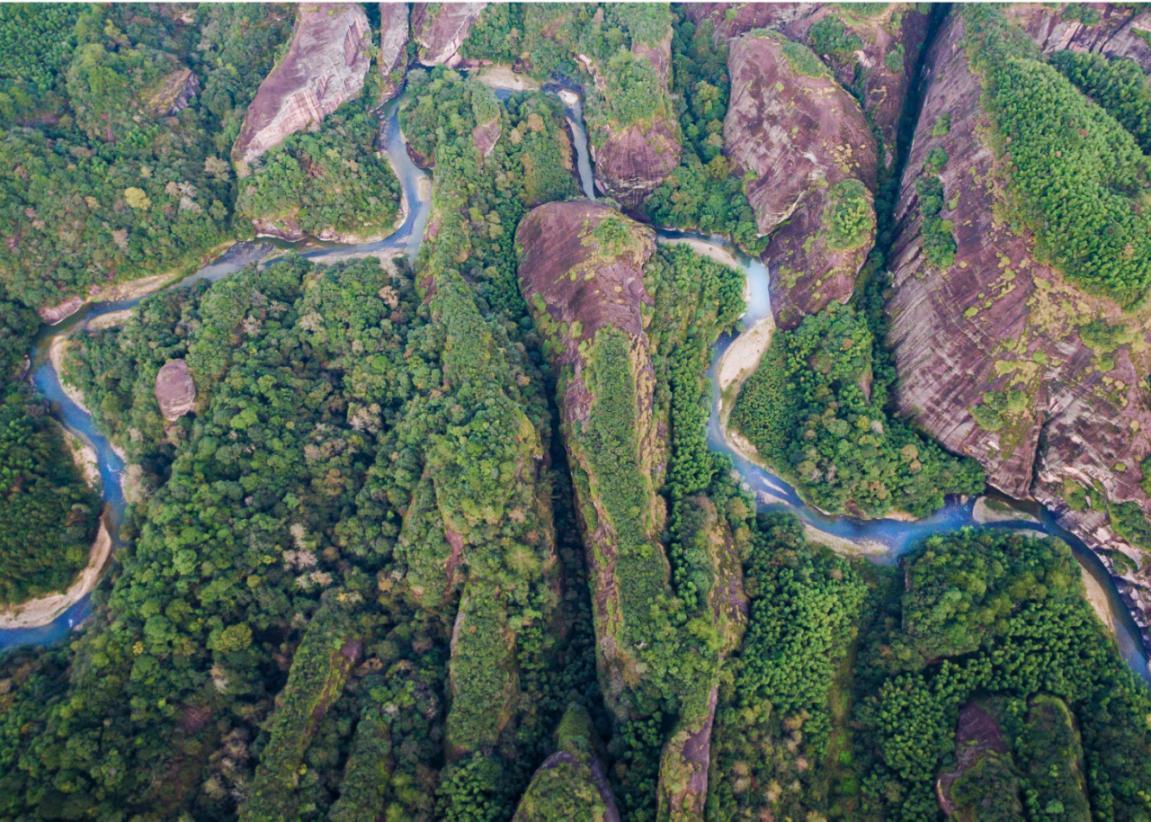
<point>998,329</point>
<point>796,133</point>
<point>324,68</point>
<point>393,58</point>
<point>439,30</point>
<point>175,389</point>
<point>1117,30</point>
<point>581,272</point>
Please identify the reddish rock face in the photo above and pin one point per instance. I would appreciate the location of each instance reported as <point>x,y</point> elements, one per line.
<point>899,25</point>
<point>439,29</point>
<point>798,136</point>
<point>632,160</point>
<point>324,68</point>
<point>997,320</point>
<point>175,390</point>
<point>393,57</point>
<point>1115,34</point>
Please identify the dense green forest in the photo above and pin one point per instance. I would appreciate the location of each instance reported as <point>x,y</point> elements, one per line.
<point>112,174</point>
<point>48,510</point>
<point>333,183</point>
<point>814,409</point>
<point>427,547</point>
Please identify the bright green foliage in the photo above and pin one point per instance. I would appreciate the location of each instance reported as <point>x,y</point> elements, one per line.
<point>989,789</point>
<point>48,511</point>
<point>65,195</point>
<point>703,194</point>
<point>1075,173</point>
<point>808,412</point>
<point>1119,85</point>
<point>998,613</point>
<point>939,245</point>
<point>849,216</point>
<point>565,786</point>
<point>828,36</point>
<point>801,59</point>
<point>331,182</point>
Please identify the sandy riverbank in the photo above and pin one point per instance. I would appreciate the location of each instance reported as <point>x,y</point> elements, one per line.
<point>36,613</point>
<point>109,320</point>
<point>742,357</point>
<point>1098,600</point>
<point>84,455</point>
<point>56,350</point>
<point>502,77</point>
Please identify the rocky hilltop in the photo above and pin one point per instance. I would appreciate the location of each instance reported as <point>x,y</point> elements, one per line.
<point>324,67</point>
<point>439,29</point>
<point>1113,30</point>
<point>999,357</point>
<point>802,142</point>
<point>581,271</point>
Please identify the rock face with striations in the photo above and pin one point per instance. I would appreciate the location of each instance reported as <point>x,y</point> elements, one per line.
<point>632,159</point>
<point>324,68</point>
<point>797,135</point>
<point>175,390</point>
<point>581,272</point>
<point>1116,30</point>
<point>882,51</point>
<point>393,59</point>
<point>439,30</point>
<point>990,350</point>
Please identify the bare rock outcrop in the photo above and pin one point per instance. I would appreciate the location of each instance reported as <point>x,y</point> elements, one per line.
<point>797,134</point>
<point>990,351</point>
<point>439,30</point>
<point>173,93</point>
<point>325,67</point>
<point>882,64</point>
<point>1114,30</point>
<point>393,58</point>
<point>581,272</point>
<point>632,159</point>
<point>175,389</point>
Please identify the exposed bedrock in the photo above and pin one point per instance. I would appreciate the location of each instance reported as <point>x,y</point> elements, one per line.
<point>324,67</point>
<point>439,29</point>
<point>990,350</point>
<point>796,134</point>
<point>393,58</point>
<point>581,271</point>
<point>1116,31</point>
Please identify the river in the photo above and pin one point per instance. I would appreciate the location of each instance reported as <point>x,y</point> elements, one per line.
<point>881,540</point>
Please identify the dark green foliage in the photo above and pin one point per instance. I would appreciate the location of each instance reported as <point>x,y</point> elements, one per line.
<point>49,512</point>
<point>331,182</point>
<point>703,194</point>
<point>808,411</point>
<point>998,613</point>
<point>805,605</point>
<point>36,43</point>
<point>1050,755</point>
<point>114,187</point>
<point>829,37</point>
<point>1118,85</point>
<point>1075,173</point>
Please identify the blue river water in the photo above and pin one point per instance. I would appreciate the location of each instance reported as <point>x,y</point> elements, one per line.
<point>889,538</point>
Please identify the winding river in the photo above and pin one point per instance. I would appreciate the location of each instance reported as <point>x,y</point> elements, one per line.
<point>882,541</point>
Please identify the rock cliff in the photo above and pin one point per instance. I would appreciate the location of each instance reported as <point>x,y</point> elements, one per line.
<point>393,58</point>
<point>581,271</point>
<point>1113,30</point>
<point>796,135</point>
<point>175,389</point>
<point>633,158</point>
<point>439,30</point>
<point>998,356</point>
<point>324,67</point>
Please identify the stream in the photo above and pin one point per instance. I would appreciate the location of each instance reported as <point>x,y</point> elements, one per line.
<point>882,540</point>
